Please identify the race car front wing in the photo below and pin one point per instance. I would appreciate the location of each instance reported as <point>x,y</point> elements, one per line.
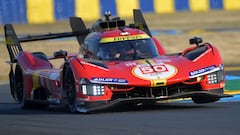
<point>197,97</point>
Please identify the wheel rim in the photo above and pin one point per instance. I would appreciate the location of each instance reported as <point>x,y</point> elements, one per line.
<point>70,89</point>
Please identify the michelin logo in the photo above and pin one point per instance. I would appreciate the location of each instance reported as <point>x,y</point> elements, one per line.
<point>202,71</point>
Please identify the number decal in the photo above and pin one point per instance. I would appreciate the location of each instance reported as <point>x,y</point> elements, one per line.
<point>153,69</point>
<point>154,72</point>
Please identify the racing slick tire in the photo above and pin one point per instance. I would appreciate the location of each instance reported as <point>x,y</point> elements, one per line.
<point>203,98</point>
<point>70,89</point>
<point>20,90</point>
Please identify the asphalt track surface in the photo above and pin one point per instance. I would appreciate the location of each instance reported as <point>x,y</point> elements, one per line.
<point>220,118</point>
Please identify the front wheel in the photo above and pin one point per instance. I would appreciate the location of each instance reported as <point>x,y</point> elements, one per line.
<point>70,89</point>
<point>201,99</point>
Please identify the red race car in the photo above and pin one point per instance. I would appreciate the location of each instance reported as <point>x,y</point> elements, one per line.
<point>119,63</point>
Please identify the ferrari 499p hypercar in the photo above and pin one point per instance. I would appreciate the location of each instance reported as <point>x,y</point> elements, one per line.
<point>119,63</point>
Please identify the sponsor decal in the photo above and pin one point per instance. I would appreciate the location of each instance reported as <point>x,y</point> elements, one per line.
<point>203,71</point>
<point>165,60</point>
<point>130,64</point>
<point>109,80</point>
<point>154,71</point>
<point>142,62</point>
<point>123,38</point>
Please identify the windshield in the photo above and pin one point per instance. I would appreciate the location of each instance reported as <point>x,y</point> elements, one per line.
<point>127,50</point>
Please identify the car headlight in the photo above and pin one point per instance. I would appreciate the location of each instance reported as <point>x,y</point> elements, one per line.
<point>216,77</point>
<point>212,78</point>
<point>91,89</point>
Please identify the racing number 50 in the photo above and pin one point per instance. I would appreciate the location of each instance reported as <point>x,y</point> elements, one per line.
<point>153,69</point>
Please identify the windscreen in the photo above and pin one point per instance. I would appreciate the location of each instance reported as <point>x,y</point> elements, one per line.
<point>127,50</point>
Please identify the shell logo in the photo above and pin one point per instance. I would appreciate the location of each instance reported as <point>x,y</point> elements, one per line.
<point>154,72</point>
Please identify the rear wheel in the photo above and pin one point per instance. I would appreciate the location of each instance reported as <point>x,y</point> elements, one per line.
<point>19,88</point>
<point>70,89</point>
<point>12,83</point>
<point>41,94</point>
<point>20,93</point>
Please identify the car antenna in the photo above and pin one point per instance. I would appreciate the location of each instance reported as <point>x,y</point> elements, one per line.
<point>107,15</point>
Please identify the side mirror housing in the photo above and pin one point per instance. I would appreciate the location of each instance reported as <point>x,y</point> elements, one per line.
<point>195,40</point>
<point>60,54</point>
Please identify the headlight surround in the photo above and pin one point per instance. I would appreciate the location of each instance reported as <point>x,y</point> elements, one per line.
<point>91,89</point>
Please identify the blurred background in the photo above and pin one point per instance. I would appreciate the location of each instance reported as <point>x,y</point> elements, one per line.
<point>173,22</point>
<point>49,11</point>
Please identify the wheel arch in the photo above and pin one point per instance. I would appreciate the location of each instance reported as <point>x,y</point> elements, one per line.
<point>65,68</point>
<point>76,67</point>
<point>210,53</point>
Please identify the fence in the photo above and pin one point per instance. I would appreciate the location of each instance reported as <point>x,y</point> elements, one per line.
<point>49,11</point>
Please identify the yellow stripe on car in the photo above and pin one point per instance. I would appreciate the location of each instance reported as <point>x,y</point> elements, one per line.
<point>35,78</point>
<point>160,82</point>
<point>124,38</point>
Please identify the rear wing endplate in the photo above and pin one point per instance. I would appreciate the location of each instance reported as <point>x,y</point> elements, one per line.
<point>140,22</point>
<point>13,42</point>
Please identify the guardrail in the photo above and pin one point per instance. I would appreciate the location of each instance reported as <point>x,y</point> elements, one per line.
<point>49,11</point>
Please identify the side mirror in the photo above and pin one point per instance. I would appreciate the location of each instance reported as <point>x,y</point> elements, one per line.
<point>195,40</point>
<point>60,54</point>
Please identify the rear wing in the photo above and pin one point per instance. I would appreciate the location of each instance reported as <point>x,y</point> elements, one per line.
<point>13,42</point>
<point>140,22</point>
<point>79,30</point>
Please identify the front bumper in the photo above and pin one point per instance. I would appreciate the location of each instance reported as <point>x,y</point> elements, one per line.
<point>197,97</point>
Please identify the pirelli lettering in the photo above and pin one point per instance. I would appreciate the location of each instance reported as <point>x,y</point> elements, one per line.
<point>124,38</point>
